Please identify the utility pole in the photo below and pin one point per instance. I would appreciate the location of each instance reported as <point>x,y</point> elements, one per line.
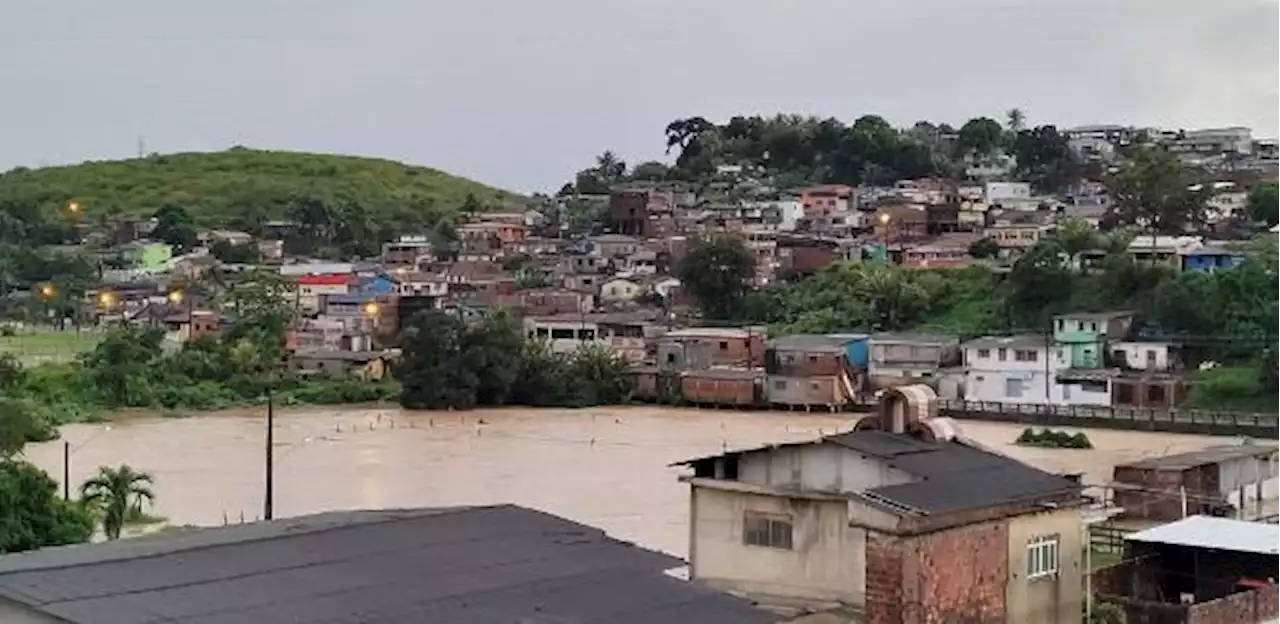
<point>1048,355</point>
<point>267,502</point>
<point>66,470</point>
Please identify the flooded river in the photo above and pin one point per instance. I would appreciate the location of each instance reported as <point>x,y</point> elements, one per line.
<point>606,467</point>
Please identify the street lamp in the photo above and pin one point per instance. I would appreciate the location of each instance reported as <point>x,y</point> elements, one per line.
<point>75,207</point>
<point>106,300</point>
<point>48,290</point>
<point>176,296</point>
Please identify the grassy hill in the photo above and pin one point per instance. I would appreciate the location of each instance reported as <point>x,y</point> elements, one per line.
<point>243,188</point>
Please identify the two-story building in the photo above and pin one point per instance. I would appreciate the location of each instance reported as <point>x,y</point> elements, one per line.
<point>826,199</point>
<point>406,252</point>
<point>701,347</point>
<point>1026,369</point>
<point>1084,335</point>
<point>899,358</point>
<point>628,334</point>
<point>902,519</point>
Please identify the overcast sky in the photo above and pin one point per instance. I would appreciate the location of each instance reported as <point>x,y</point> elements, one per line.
<point>522,93</point>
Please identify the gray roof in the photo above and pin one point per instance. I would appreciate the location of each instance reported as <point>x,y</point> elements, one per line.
<point>952,475</point>
<point>943,339</point>
<point>456,565</point>
<point>1203,457</point>
<point>995,342</point>
<point>1213,533</point>
<point>809,342</point>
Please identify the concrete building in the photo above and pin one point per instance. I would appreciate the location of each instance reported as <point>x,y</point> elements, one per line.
<point>1013,369</point>
<point>721,347</point>
<point>902,519</point>
<point>1009,195</point>
<point>1084,335</point>
<point>1145,356</point>
<point>826,199</point>
<point>899,358</point>
<point>1231,479</point>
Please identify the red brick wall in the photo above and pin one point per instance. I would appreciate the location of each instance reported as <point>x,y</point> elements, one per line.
<point>884,579</point>
<point>1257,605</point>
<point>962,573</point>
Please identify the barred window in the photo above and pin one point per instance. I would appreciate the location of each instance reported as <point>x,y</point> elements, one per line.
<point>1042,557</point>
<point>765,530</point>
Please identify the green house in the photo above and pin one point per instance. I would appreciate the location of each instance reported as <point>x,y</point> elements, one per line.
<point>1084,335</point>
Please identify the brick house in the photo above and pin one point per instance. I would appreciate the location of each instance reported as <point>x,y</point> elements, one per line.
<point>1208,481</point>
<point>723,346</point>
<point>902,518</point>
<point>826,199</point>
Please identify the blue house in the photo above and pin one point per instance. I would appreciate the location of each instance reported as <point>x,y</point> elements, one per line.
<point>375,286</point>
<point>1210,258</point>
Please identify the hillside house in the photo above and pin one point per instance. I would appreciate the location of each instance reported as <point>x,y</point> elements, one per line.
<point>901,358</point>
<point>719,346</point>
<point>1084,335</point>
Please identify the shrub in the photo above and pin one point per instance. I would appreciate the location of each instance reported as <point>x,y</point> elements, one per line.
<point>1049,438</point>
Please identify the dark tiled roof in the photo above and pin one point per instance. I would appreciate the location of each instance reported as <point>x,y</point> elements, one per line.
<point>952,475</point>
<point>459,565</point>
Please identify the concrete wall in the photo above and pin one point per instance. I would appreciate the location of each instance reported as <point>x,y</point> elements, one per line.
<point>822,467</point>
<point>1052,600</point>
<point>826,562</point>
<point>15,613</point>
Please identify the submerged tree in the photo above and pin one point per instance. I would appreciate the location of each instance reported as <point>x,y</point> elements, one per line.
<point>114,493</point>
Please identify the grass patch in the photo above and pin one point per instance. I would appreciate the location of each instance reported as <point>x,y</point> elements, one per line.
<point>138,517</point>
<point>46,346</point>
<point>1232,388</point>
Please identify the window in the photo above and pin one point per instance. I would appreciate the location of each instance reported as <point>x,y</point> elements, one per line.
<point>779,385</point>
<point>671,358</point>
<point>1004,354</point>
<point>1042,557</point>
<point>724,346</point>
<point>1013,388</point>
<point>813,385</point>
<point>1151,358</point>
<point>984,353</point>
<point>1025,355</point>
<point>767,531</point>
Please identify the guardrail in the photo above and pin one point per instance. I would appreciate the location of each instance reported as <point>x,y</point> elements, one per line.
<point>1116,417</point>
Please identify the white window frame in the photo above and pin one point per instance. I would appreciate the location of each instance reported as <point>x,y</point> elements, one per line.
<point>1042,557</point>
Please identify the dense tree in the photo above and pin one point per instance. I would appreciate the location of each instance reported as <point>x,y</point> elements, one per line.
<point>235,254</point>
<point>981,135</point>
<point>650,171</point>
<point>1264,204</point>
<point>985,247</point>
<point>1045,159</point>
<point>447,364</point>
<point>119,367</point>
<point>114,493</point>
<point>33,514</point>
<point>1154,193</point>
<point>175,226</point>
<point>717,273</point>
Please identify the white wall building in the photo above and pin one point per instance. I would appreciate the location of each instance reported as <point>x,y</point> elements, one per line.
<point>1011,195</point>
<point>1011,369</point>
<point>1146,356</point>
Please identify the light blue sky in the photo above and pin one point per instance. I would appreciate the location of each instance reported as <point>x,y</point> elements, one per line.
<point>522,93</point>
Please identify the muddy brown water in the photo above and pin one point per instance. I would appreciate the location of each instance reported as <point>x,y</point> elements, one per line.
<point>607,467</point>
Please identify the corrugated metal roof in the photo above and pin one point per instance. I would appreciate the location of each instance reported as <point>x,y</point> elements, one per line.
<point>1215,533</point>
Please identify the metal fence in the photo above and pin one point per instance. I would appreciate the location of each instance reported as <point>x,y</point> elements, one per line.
<point>1117,417</point>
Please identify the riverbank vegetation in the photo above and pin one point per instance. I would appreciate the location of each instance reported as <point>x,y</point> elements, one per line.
<point>447,364</point>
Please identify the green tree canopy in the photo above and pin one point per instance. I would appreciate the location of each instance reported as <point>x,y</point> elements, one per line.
<point>1155,193</point>
<point>33,514</point>
<point>1264,204</point>
<point>717,272</point>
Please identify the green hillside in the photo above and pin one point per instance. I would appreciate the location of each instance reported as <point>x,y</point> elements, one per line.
<point>241,188</point>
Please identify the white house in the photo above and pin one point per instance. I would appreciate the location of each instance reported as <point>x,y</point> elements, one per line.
<point>620,289</point>
<point>1012,369</point>
<point>1029,369</point>
<point>1146,356</point>
<point>1007,193</point>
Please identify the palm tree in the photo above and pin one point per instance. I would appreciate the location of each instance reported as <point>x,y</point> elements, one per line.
<point>1016,120</point>
<point>113,493</point>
